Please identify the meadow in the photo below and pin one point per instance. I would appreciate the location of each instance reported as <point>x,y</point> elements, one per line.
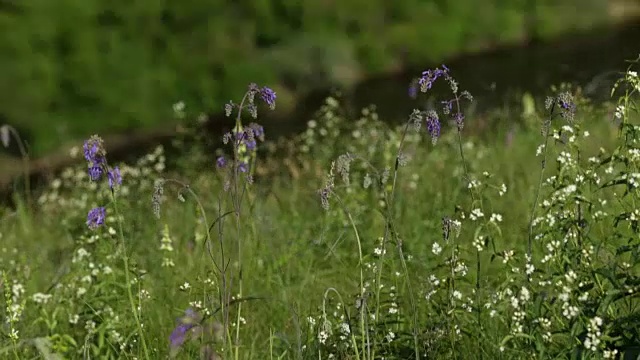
<point>353,240</point>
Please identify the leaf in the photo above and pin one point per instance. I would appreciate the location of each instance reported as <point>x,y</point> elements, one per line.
<point>614,183</point>
<point>624,249</point>
<point>608,274</point>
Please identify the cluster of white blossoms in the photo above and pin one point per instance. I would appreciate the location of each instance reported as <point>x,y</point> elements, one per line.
<point>632,79</point>
<point>593,336</point>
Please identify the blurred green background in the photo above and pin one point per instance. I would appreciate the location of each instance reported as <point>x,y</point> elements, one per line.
<point>70,68</point>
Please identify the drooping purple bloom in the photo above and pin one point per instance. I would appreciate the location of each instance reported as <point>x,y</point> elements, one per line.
<point>268,96</point>
<point>114,177</point>
<point>96,217</point>
<point>430,76</point>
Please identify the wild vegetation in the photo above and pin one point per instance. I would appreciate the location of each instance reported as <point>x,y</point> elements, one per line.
<point>76,68</point>
<point>353,240</point>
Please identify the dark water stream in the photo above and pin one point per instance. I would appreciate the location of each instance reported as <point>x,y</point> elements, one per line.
<point>592,60</point>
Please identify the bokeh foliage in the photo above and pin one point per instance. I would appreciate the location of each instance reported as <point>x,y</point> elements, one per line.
<point>70,68</point>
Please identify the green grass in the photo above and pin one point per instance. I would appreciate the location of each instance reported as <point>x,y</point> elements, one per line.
<point>285,262</point>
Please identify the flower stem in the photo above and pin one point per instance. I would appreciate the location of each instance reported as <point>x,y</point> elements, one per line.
<point>125,259</point>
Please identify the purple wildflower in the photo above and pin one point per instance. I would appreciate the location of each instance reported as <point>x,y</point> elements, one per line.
<point>447,106</point>
<point>433,125</point>
<point>248,137</point>
<point>94,150</point>
<point>221,162</point>
<point>90,150</point>
<point>258,130</point>
<point>94,154</point>
<point>95,172</point>
<point>243,167</point>
<point>96,217</point>
<point>268,96</point>
<point>250,144</point>
<point>114,177</point>
<point>179,335</point>
<point>186,324</point>
<point>430,76</point>
<point>239,136</point>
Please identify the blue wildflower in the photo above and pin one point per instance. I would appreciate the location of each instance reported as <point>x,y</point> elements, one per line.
<point>258,130</point>
<point>114,177</point>
<point>243,167</point>
<point>94,150</point>
<point>430,76</point>
<point>250,144</point>
<point>447,106</point>
<point>186,323</point>
<point>268,96</point>
<point>96,217</point>
<point>94,153</point>
<point>95,172</point>
<point>221,162</point>
<point>239,136</point>
<point>433,125</point>
<point>179,335</point>
<point>90,150</point>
